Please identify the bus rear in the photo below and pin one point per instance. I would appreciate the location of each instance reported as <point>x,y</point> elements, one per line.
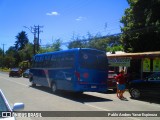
<point>91,72</point>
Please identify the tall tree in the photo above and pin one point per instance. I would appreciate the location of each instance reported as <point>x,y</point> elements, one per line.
<point>1,52</point>
<point>10,60</point>
<point>1,57</point>
<point>141,31</point>
<point>21,40</point>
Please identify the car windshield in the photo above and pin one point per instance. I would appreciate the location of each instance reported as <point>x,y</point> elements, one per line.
<point>15,69</point>
<point>3,105</point>
<point>155,76</point>
<point>27,71</point>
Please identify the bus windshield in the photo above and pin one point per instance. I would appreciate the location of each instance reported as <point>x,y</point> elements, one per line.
<point>92,59</point>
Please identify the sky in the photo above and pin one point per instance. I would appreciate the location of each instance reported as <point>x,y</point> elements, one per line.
<point>60,19</point>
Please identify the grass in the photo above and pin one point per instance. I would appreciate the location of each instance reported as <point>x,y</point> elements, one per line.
<point>4,69</point>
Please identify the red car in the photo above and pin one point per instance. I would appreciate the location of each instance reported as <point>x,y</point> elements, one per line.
<point>111,80</point>
<point>15,72</point>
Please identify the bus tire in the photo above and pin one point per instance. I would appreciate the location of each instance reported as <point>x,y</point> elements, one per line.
<point>54,88</point>
<point>33,84</point>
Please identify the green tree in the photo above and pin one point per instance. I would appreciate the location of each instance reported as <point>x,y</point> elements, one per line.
<point>9,61</point>
<point>1,57</point>
<point>21,40</point>
<point>50,48</point>
<point>26,53</point>
<point>10,57</point>
<point>1,52</point>
<point>141,29</point>
<point>96,42</point>
<point>99,43</point>
<point>76,44</point>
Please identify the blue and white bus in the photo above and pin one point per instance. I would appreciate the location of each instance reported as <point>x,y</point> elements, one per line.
<point>76,70</point>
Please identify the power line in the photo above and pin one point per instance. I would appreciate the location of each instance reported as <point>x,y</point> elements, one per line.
<point>116,34</point>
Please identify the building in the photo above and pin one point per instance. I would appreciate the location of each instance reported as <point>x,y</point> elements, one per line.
<point>139,65</point>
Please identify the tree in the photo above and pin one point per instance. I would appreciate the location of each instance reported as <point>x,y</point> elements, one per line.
<point>50,48</point>
<point>76,44</point>
<point>1,52</point>
<point>21,41</point>
<point>10,57</point>
<point>96,42</point>
<point>1,57</point>
<point>99,43</point>
<point>26,53</point>
<point>141,29</point>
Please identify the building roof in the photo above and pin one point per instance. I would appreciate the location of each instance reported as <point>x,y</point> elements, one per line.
<point>136,55</point>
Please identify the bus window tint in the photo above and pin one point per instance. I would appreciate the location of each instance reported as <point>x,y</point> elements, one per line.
<point>93,60</point>
<point>46,62</point>
<point>62,61</point>
<point>68,61</point>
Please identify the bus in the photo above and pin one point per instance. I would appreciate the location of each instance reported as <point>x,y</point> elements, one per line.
<point>76,70</point>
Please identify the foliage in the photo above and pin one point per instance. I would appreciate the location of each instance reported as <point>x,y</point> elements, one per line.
<point>77,44</point>
<point>115,48</point>
<point>21,41</point>
<point>97,42</point>
<point>1,52</point>
<point>20,52</point>
<point>141,29</point>
<point>54,47</point>
<point>1,56</point>
<point>9,61</point>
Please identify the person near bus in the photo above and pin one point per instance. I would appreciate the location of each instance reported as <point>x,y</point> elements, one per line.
<point>121,80</point>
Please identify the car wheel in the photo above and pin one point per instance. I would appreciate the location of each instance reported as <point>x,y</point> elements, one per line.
<point>54,88</point>
<point>135,93</point>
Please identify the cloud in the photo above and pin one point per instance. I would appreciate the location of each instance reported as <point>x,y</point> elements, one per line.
<point>52,13</point>
<point>80,18</point>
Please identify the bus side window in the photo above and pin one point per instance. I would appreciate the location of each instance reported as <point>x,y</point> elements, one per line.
<point>68,61</point>
<point>46,61</point>
<point>53,61</point>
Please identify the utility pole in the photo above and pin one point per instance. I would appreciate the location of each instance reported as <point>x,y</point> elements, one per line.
<point>38,32</point>
<point>35,30</point>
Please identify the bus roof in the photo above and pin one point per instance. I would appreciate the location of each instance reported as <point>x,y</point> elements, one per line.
<point>69,50</point>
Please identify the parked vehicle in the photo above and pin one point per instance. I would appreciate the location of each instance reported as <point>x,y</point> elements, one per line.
<point>15,72</point>
<point>77,70</point>
<point>111,81</point>
<point>148,87</point>
<point>26,73</point>
<point>5,107</point>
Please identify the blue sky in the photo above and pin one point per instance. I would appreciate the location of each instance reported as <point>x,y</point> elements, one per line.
<point>59,18</point>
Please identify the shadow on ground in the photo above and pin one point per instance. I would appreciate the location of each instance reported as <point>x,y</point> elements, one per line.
<point>78,97</point>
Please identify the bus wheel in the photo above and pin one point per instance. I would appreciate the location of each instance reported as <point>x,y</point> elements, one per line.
<point>54,88</point>
<point>33,84</point>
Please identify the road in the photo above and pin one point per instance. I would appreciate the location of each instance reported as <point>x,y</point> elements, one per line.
<point>41,99</point>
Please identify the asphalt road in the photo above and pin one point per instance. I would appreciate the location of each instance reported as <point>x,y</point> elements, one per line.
<point>41,99</point>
